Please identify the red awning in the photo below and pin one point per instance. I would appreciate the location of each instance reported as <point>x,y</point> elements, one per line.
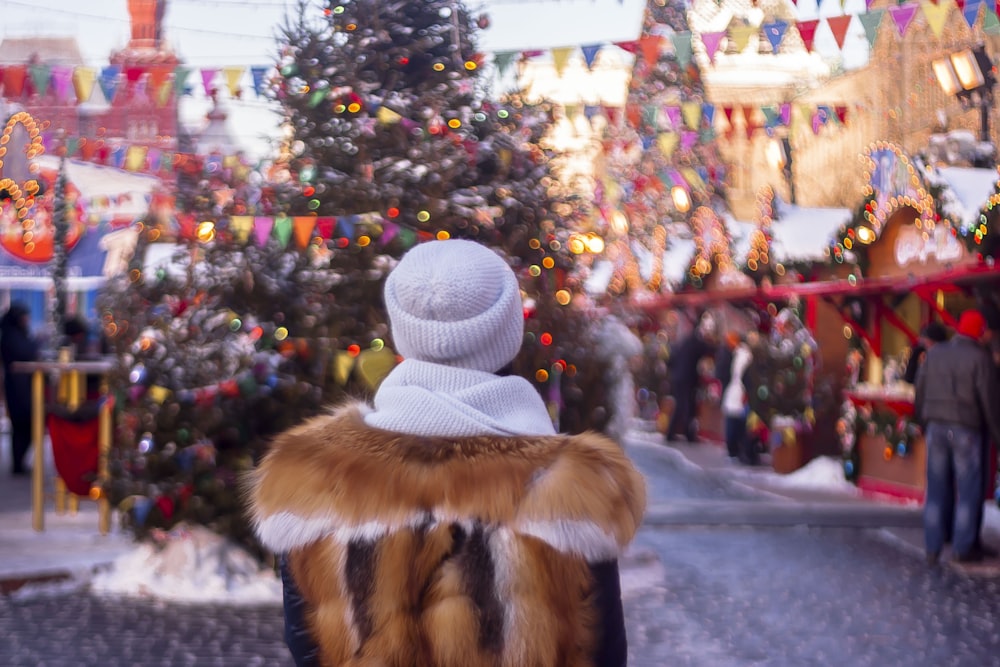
<point>945,279</point>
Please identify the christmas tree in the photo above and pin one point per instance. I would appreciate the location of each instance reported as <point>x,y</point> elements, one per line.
<point>393,142</point>
<point>661,158</point>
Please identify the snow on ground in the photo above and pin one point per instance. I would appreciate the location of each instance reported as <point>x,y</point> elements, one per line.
<point>823,473</point>
<point>190,564</point>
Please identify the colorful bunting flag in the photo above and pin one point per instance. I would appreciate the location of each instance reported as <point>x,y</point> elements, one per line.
<point>650,45</point>
<point>838,26</point>
<point>741,35</point>
<point>971,11</point>
<point>233,75</point>
<point>775,32</point>
<point>682,47</point>
<point>871,22</point>
<point>560,57</point>
<point>590,52</point>
<point>807,30</point>
<point>711,40</point>
<point>902,15</point>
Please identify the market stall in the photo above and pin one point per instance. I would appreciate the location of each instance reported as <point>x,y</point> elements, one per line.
<point>909,266</point>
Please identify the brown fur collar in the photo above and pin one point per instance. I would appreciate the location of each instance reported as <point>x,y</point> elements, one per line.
<point>335,477</point>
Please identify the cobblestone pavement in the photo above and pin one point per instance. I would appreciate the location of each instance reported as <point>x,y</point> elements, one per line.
<point>695,596</point>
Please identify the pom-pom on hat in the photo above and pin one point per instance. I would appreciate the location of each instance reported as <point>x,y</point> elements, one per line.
<point>971,324</point>
<point>455,303</point>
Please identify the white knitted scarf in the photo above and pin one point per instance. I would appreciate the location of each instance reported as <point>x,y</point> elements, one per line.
<point>423,398</point>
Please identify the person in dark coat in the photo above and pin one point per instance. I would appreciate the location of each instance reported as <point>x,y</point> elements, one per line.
<point>16,344</point>
<point>931,334</point>
<point>443,524</point>
<point>683,368</point>
<point>955,403</point>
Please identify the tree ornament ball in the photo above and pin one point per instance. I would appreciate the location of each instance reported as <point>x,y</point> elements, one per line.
<point>763,393</point>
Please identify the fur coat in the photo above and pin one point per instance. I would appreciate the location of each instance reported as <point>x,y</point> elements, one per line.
<point>416,551</point>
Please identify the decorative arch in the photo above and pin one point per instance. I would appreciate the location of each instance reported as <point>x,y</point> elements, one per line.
<point>893,183</point>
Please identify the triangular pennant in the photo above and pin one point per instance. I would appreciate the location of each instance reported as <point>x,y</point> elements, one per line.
<point>841,112</point>
<point>590,53</point>
<point>560,57</point>
<point>262,226</point>
<point>870,21</point>
<point>208,75</point>
<point>728,111</point>
<point>741,35</point>
<point>991,24</point>
<point>282,229</point>
<point>692,114</point>
<point>302,227</point>
<point>711,40</point>
<point>62,79</point>
<point>785,113</point>
<point>41,74</point>
<point>649,115</point>
<point>960,4</point>
<point>807,30</point>
<point>632,46</point>
<point>770,112</point>
<point>84,79</point>
<point>902,16</point>
<point>503,60</point>
<point>345,225</point>
<point>838,26</point>
<point>133,74</point>
<point>936,15</point>
<point>109,80</point>
<point>325,226</point>
<point>233,75</point>
<point>650,45</point>
<point>708,111</point>
<point>775,32</point>
<point>667,143</point>
<point>674,114</point>
<point>682,47</point>
<point>343,364</point>
<point>159,76</point>
<point>241,226</point>
<point>181,75</point>
<point>971,11</point>
<point>257,72</point>
<point>135,158</point>
<point>162,94</point>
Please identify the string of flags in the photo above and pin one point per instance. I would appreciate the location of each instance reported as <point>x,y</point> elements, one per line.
<point>162,82</point>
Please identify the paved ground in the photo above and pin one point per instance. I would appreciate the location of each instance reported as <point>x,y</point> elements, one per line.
<point>699,591</point>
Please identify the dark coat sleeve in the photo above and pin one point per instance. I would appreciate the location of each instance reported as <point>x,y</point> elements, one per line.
<point>913,364</point>
<point>612,646</point>
<point>304,651</point>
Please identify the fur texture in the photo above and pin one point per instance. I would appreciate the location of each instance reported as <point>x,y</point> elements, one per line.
<point>435,552</point>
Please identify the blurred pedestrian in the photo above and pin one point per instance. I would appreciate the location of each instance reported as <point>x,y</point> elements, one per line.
<point>955,403</point>
<point>734,397</point>
<point>446,525</point>
<point>684,379</point>
<point>17,344</point>
<point>931,334</point>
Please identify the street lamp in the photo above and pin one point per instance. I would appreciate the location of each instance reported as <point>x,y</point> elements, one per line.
<point>968,74</point>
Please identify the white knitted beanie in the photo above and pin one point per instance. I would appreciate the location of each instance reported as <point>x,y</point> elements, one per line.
<point>455,303</point>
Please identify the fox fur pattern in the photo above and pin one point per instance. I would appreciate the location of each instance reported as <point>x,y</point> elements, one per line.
<point>438,552</point>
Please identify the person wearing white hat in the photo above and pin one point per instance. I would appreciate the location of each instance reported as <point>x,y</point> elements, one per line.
<point>447,524</point>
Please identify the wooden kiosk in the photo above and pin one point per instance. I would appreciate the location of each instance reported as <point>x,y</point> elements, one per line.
<point>914,270</point>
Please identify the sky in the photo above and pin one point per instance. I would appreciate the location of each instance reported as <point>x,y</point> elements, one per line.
<point>219,33</point>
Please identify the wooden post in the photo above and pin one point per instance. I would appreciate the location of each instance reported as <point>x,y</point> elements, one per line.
<point>37,436</point>
<point>104,449</point>
<point>73,403</point>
